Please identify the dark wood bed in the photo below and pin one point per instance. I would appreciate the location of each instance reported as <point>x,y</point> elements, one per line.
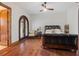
<point>59,41</point>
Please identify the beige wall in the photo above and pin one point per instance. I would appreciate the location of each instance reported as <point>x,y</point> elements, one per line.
<point>16,13</point>
<point>40,20</point>
<point>72,19</point>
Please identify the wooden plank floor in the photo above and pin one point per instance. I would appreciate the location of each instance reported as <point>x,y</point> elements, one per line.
<point>33,47</point>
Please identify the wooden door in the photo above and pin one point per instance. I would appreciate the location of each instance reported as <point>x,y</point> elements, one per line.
<point>23,27</point>
<point>5,25</point>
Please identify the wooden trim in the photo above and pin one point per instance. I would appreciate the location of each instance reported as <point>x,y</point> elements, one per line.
<point>0,27</point>
<point>9,26</point>
<point>4,5</point>
<point>24,31</point>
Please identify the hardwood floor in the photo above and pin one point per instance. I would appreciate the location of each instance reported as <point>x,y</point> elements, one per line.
<point>2,47</point>
<point>33,47</point>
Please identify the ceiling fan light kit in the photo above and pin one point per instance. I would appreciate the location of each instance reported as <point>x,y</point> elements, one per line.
<point>45,9</point>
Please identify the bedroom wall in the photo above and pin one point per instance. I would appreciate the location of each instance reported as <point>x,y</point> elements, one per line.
<point>54,18</point>
<point>69,17</point>
<point>72,19</point>
<point>16,13</point>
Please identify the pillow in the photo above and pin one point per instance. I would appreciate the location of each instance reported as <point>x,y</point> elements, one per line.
<point>48,31</point>
<point>57,31</point>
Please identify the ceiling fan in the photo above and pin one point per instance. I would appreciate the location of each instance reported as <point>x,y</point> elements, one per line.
<point>44,7</point>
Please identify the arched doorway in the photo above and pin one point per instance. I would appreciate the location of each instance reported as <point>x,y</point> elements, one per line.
<point>23,27</point>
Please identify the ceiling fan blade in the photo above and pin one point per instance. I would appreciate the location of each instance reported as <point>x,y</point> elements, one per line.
<point>50,8</point>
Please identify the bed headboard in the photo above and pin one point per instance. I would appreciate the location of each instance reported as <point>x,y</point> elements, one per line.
<point>52,27</point>
<point>47,27</point>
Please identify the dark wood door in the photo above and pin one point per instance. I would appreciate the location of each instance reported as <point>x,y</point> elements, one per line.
<point>23,27</point>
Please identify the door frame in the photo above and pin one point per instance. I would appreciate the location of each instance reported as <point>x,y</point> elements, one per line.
<point>25,19</point>
<point>9,26</point>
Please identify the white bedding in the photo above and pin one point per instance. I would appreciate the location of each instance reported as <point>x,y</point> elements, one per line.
<point>54,31</point>
<point>48,32</point>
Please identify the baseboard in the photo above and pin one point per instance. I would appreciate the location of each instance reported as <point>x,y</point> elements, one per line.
<point>15,43</point>
<point>3,44</point>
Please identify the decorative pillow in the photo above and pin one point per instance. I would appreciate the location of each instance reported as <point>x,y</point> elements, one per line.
<point>57,31</point>
<point>48,31</point>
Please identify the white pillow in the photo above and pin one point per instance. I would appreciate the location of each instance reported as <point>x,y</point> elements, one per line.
<point>57,31</point>
<point>48,31</point>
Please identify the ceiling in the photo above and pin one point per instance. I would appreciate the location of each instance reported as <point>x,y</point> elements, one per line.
<point>34,7</point>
